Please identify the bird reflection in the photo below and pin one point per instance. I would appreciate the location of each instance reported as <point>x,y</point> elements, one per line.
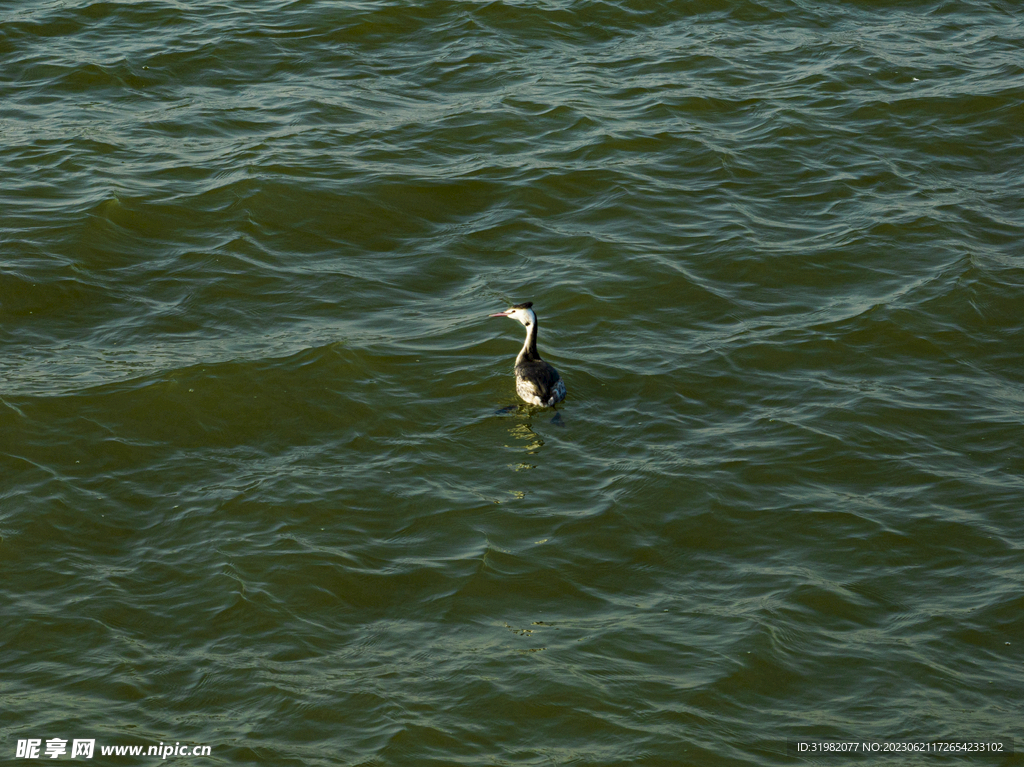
<point>525,433</point>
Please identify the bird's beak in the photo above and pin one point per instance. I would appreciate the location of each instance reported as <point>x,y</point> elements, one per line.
<point>500,314</point>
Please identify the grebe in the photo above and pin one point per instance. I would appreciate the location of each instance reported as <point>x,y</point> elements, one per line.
<point>536,381</point>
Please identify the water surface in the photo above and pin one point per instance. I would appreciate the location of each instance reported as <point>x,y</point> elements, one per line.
<point>257,488</point>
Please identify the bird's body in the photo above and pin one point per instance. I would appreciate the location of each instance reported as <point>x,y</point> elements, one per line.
<point>537,382</point>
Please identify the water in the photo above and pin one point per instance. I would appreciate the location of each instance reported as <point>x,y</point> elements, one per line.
<point>258,492</point>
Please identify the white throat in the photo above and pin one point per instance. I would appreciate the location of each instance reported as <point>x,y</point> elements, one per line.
<point>529,321</point>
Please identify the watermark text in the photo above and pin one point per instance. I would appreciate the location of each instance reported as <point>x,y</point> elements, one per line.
<point>86,748</point>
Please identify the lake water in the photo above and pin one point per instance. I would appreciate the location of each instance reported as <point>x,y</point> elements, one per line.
<point>264,486</point>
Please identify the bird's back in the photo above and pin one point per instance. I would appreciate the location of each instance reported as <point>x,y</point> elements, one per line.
<point>538,383</point>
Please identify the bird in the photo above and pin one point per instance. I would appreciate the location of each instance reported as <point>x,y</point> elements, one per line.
<point>537,382</point>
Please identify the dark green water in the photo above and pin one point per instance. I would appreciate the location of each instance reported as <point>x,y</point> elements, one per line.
<point>256,488</point>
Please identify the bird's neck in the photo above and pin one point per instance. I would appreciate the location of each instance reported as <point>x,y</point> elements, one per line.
<point>529,351</point>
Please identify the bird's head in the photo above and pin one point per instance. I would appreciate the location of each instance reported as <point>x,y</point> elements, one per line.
<point>521,312</point>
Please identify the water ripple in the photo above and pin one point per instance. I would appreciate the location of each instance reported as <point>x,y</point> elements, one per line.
<point>257,448</point>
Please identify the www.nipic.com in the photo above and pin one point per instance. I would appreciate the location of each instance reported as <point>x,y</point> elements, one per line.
<point>82,748</point>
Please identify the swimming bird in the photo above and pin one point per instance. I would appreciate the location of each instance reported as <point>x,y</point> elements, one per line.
<point>536,381</point>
